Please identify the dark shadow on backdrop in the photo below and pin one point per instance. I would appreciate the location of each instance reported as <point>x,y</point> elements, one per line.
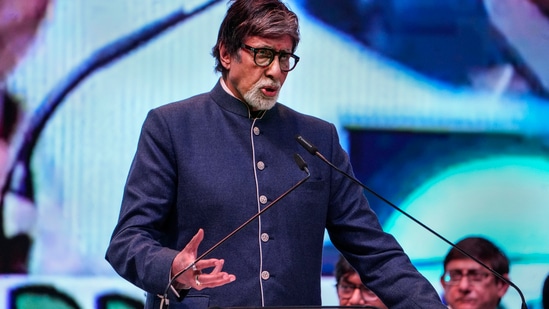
<point>118,301</point>
<point>39,296</point>
<point>442,39</point>
<point>394,163</point>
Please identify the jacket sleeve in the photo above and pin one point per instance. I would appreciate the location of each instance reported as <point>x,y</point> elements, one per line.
<point>355,231</point>
<point>137,250</point>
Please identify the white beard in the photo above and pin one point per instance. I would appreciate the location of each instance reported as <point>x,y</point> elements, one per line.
<point>257,100</point>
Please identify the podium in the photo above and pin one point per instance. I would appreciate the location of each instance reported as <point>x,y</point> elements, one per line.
<point>299,307</point>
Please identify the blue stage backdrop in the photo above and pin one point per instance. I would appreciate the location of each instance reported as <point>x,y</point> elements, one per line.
<point>442,111</point>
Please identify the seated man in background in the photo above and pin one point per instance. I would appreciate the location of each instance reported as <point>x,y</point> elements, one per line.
<point>469,285</point>
<point>348,283</point>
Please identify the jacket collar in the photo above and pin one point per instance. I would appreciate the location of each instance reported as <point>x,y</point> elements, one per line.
<point>228,102</point>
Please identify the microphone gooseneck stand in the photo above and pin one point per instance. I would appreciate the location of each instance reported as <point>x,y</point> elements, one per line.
<point>314,151</point>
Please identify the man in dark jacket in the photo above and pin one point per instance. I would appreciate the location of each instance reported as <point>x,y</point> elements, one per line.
<point>205,165</point>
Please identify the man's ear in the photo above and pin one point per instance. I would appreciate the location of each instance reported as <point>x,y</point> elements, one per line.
<point>224,56</point>
<point>502,286</point>
<point>442,282</point>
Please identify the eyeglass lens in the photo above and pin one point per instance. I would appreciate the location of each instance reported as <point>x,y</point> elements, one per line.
<point>346,290</point>
<point>473,276</point>
<point>265,56</point>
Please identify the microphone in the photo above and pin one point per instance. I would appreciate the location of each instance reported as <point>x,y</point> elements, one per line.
<point>314,151</point>
<point>302,166</point>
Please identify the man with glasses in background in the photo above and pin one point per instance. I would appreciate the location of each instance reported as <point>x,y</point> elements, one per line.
<point>350,290</point>
<point>468,285</point>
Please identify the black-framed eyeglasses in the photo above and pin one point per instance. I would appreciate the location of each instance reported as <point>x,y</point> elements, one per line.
<point>346,290</point>
<point>453,277</point>
<point>263,57</point>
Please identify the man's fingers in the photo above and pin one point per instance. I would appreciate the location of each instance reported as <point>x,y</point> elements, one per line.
<point>206,264</point>
<point>192,246</point>
<point>212,280</point>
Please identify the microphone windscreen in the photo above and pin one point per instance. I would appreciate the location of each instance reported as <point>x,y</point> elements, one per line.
<point>308,146</point>
<point>300,162</point>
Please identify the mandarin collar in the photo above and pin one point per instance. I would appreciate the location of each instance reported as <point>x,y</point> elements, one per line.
<point>232,104</point>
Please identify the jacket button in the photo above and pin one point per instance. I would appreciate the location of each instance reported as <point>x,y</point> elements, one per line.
<point>264,237</point>
<point>263,199</point>
<point>260,165</point>
<point>265,275</point>
<point>256,131</point>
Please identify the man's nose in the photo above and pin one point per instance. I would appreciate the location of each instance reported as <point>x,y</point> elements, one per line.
<point>274,69</point>
<point>464,283</point>
<point>356,298</point>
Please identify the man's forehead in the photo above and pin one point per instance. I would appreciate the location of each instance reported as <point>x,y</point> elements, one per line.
<point>283,42</point>
<point>351,277</point>
<point>464,264</point>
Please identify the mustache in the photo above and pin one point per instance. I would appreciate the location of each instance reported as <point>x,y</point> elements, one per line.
<point>268,84</point>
